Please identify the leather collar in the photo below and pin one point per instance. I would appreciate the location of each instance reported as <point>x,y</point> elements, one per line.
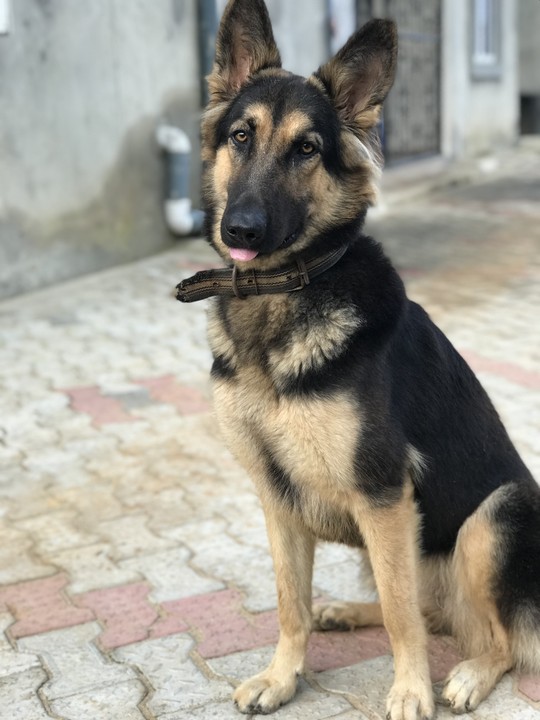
<point>232,282</point>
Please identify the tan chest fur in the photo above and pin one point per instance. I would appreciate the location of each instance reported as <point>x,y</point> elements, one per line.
<point>311,438</point>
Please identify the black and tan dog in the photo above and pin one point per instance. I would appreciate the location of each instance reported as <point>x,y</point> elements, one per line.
<point>355,416</point>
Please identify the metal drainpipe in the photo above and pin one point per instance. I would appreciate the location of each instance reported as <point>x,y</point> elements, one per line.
<point>180,218</point>
<point>207,28</point>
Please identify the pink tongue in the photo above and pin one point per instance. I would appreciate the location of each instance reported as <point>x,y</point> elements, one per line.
<point>242,254</point>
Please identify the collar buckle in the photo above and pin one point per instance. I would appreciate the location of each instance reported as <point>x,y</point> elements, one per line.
<point>303,274</point>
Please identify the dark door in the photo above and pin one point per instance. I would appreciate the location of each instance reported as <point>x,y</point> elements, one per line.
<point>412,115</point>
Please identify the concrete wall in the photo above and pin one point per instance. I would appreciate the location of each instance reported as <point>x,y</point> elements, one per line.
<point>82,88</point>
<point>478,116</point>
<point>529,47</point>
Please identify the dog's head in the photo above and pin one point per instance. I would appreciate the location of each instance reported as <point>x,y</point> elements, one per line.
<point>287,158</point>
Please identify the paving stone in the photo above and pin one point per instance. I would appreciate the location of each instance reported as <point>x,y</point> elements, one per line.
<point>529,686</point>
<point>170,575</point>
<point>40,606</point>
<point>246,567</point>
<point>167,389</point>
<point>117,702</point>
<point>18,696</point>
<point>366,684</point>
<point>101,409</point>
<point>17,560</point>
<point>91,568</point>
<point>221,626</point>
<point>504,704</point>
<point>56,531</point>
<point>129,536</point>
<point>124,611</point>
<point>507,370</point>
<point>307,704</point>
<point>74,663</point>
<point>178,684</point>
<point>13,662</point>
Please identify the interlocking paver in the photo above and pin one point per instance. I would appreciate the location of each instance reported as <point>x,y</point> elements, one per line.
<point>170,574</point>
<point>56,531</point>
<point>17,560</point>
<point>101,409</point>
<point>167,389</point>
<point>124,611</point>
<point>91,568</point>
<point>129,536</point>
<point>530,687</point>
<point>19,698</point>
<point>74,663</point>
<point>114,702</point>
<point>178,683</point>
<point>41,605</point>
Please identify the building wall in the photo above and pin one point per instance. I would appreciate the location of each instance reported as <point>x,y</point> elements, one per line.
<point>82,89</point>
<point>478,116</point>
<point>529,47</point>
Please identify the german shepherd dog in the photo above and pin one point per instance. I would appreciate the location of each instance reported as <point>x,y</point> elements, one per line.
<point>356,418</point>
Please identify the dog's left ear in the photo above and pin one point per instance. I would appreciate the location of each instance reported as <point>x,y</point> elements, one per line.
<point>360,75</point>
<point>244,45</point>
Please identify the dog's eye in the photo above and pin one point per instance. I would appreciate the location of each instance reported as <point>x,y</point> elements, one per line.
<point>306,148</point>
<point>240,137</point>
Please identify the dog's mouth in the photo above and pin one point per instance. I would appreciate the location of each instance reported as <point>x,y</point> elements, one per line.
<point>246,254</point>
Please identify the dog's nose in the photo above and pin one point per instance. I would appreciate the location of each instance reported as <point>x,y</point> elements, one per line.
<point>246,226</point>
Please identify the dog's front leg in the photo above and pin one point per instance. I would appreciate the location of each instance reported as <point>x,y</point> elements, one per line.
<point>292,553</point>
<point>391,536</point>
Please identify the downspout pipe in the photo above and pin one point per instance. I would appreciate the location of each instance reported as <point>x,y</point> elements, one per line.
<point>180,216</point>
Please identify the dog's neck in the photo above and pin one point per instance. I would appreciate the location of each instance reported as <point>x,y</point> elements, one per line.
<point>232,282</point>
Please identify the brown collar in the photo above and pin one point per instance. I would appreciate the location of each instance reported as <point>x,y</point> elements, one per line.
<point>235,283</point>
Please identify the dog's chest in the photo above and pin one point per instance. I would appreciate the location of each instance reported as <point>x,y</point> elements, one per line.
<point>311,438</point>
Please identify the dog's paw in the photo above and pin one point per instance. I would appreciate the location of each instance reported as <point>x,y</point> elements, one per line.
<point>263,694</point>
<point>406,703</point>
<point>331,616</point>
<point>468,684</point>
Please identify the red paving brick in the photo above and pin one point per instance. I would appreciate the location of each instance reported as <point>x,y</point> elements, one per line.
<point>513,373</point>
<point>124,611</point>
<point>220,624</point>
<point>530,687</point>
<point>166,389</point>
<point>102,409</point>
<point>40,606</point>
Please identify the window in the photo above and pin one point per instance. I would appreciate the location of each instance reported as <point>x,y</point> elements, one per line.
<point>486,39</point>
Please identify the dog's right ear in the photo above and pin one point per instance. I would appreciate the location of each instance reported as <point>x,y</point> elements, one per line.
<point>244,45</point>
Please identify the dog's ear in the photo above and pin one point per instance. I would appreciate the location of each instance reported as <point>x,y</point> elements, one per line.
<point>244,45</point>
<point>360,75</point>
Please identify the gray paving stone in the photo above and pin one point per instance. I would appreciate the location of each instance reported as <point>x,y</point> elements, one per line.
<point>56,531</point>
<point>74,663</point>
<point>170,575</point>
<point>307,703</point>
<point>114,702</point>
<point>129,536</point>
<point>91,568</point>
<point>18,696</point>
<point>178,684</point>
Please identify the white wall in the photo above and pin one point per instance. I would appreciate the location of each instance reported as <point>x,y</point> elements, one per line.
<point>478,116</point>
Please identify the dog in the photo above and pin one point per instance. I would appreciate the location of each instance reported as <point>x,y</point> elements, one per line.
<point>356,418</point>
